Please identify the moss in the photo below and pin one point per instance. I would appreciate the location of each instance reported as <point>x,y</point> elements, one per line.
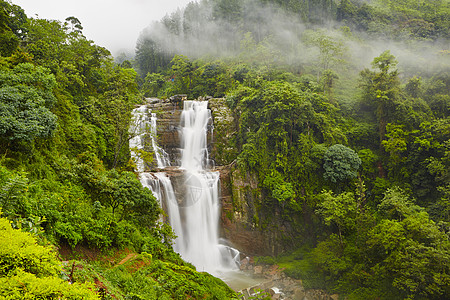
<point>224,150</point>
<point>265,260</point>
<point>298,264</point>
<point>255,220</point>
<point>229,215</point>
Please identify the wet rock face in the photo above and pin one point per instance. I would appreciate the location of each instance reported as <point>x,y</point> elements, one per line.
<point>178,180</point>
<point>168,113</point>
<point>222,150</point>
<point>241,196</point>
<point>237,215</point>
<point>241,199</point>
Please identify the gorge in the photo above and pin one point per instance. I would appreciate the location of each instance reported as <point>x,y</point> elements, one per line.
<point>210,207</point>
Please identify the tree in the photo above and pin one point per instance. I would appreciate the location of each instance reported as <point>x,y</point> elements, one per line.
<point>153,83</point>
<point>340,210</point>
<point>8,41</point>
<point>151,56</point>
<point>15,18</point>
<point>281,191</point>
<point>212,79</point>
<point>329,78</point>
<point>395,145</point>
<point>228,10</point>
<point>46,42</point>
<point>13,188</point>
<point>173,23</point>
<point>75,24</point>
<point>182,74</point>
<point>414,87</point>
<point>115,104</point>
<point>409,250</point>
<point>12,20</point>
<point>125,195</point>
<point>331,50</point>
<point>340,163</point>
<point>346,11</point>
<point>382,89</point>
<point>26,96</point>
<point>121,192</point>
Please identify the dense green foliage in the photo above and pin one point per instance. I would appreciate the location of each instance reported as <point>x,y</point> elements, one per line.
<point>31,271</point>
<point>166,280</point>
<point>26,96</point>
<point>340,163</point>
<point>352,159</point>
<point>65,172</point>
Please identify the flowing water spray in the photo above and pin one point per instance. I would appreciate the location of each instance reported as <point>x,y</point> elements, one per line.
<point>137,130</point>
<point>142,126</point>
<point>195,211</point>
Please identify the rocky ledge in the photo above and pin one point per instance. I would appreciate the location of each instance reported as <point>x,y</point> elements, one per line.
<point>278,285</point>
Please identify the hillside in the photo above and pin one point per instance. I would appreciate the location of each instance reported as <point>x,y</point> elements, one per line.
<point>66,178</point>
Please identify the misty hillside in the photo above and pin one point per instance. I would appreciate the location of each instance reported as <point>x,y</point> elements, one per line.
<point>295,33</point>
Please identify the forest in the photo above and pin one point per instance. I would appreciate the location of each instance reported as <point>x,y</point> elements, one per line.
<point>341,109</point>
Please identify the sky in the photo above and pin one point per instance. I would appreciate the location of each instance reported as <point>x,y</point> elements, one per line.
<point>114,24</point>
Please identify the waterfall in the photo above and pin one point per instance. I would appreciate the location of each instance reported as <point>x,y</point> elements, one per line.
<point>140,127</point>
<point>195,119</point>
<point>191,199</point>
<point>137,130</point>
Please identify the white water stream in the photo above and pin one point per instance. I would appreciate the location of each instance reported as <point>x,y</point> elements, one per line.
<point>194,213</point>
<point>140,127</point>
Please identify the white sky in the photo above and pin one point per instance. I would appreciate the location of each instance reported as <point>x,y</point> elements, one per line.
<point>114,24</point>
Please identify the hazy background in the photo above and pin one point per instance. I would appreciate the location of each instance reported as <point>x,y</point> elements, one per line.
<point>114,24</point>
<point>280,38</point>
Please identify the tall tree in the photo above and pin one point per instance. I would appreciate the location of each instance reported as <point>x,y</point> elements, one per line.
<point>26,96</point>
<point>382,89</point>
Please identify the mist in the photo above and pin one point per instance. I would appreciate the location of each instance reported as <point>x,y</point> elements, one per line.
<point>283,40</point>
<point>114,24</point>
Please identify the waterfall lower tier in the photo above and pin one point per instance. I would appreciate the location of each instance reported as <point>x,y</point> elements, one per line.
<point>191,202</point>
<point>190,193</point>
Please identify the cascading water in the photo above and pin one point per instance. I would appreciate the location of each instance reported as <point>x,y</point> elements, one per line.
<point>198,240</point>
<point>141,125</point>
<point>194,213</point>
<point>137,130</point>
<point>195,119</point>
